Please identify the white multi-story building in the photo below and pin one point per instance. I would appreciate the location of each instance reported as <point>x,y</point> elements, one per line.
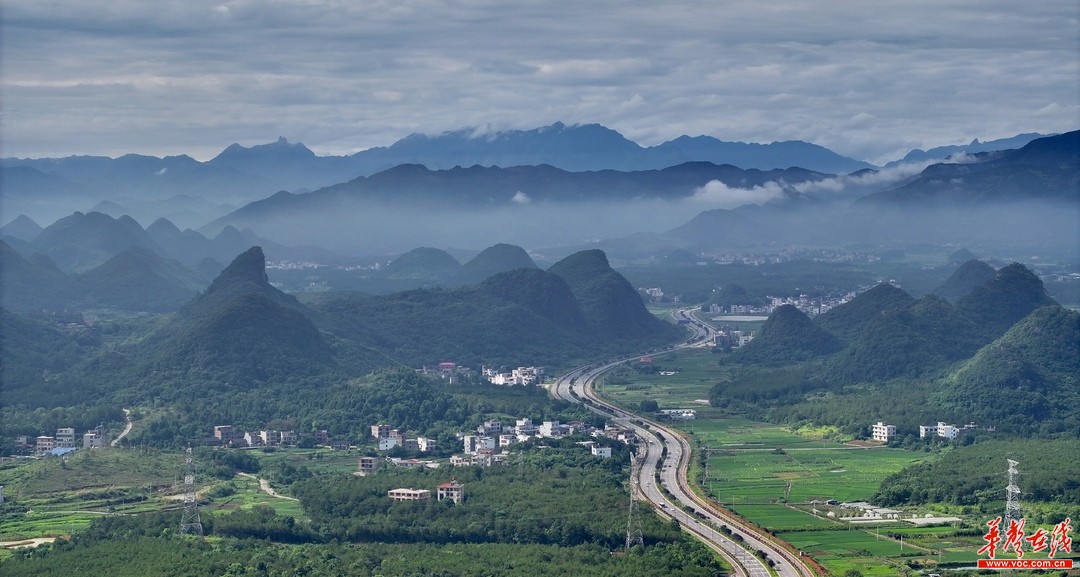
<point>65,438</point>
<point>553,429</point>
<point>408,494</point>
<point>453,490</point>
<point>882,432</point>
<point>476,443</point>
<point>944,430</point>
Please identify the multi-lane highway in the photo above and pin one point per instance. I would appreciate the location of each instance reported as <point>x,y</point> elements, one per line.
<point>665,450</point>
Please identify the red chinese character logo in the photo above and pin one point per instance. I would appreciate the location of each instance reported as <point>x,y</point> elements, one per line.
<point>992,538</point>
<point>1038,540</point>
<point>1059,538</point>
<point>1014,537</point>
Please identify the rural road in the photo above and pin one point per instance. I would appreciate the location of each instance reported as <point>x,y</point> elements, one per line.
<point>127,428</point>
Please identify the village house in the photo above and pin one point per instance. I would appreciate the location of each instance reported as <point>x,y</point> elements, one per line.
<point>523,376</point>
<point>553,429</point>
<point>475,443</point>
<point>944,430</point>
<point>92,440</point>
<point>882,432</point>
<point>453,490</point>
<point>367,465</point>
<point>43,445</point>
<point>408,494</point>
<point>253,439</point>
<point>65,438</point>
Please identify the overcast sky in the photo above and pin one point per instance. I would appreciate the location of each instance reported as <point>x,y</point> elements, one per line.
<point>868,79</point>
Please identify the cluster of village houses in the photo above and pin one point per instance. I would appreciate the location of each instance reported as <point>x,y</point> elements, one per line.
<point>521,376</point>
<point>884,432</point>
<point>63,442</point>
<point>486,448</point>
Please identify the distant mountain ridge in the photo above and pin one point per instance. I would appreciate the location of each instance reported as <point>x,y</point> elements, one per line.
<point>1045,168</point>
<point>239,174</point>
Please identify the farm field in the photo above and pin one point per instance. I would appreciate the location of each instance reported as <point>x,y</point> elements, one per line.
<point>53,497</point>
<point>781,518</point>
<point>799,475</point>
<point>768,473</point>
<point>843,550</point>
<point>694,374</point>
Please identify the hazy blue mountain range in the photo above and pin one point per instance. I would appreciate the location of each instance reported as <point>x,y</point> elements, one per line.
<point>973,147</point>
<point>1045,168</point>
<point>175,186</point>
<point>134,279</point>
<point>494,187</point>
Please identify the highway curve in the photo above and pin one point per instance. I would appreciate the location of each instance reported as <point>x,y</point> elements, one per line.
<point>669,452</point>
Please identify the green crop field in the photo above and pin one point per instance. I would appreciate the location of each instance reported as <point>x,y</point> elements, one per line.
<point>731,432</point>
<point>781,517</point>
<point>802,474</point>
<point>694,374</point>
<point>851,549</point>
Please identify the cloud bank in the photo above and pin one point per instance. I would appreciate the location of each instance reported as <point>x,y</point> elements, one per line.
<point>868,80</point>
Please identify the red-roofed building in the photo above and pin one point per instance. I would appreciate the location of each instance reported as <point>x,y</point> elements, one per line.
<point>453,490</point>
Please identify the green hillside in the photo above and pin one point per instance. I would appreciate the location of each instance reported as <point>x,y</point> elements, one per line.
<point>849,319</point>
<point>964,279</point>
<point>1027,381</point>
<point>491,261</point>
<point>610,303</point>
<point>1012,294</point>
<point>787,337</point>
<point>424,264</point>
<point>139,280</point>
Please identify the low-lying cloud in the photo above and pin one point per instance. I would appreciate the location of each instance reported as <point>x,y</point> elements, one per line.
<point>716,194</point>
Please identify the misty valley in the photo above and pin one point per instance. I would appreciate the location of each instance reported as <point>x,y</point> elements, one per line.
<point>543,352</point>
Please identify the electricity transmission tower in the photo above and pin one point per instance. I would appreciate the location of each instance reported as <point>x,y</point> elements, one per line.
<point>633,524</point>
<point>1012,496</point>
<point>189,520</point>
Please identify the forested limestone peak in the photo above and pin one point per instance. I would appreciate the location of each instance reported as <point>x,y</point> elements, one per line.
<point>848,320</point>
<point>248,268</point>
<point>787,336</point>
<point>964,279</point>
<point>1011,295</point>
